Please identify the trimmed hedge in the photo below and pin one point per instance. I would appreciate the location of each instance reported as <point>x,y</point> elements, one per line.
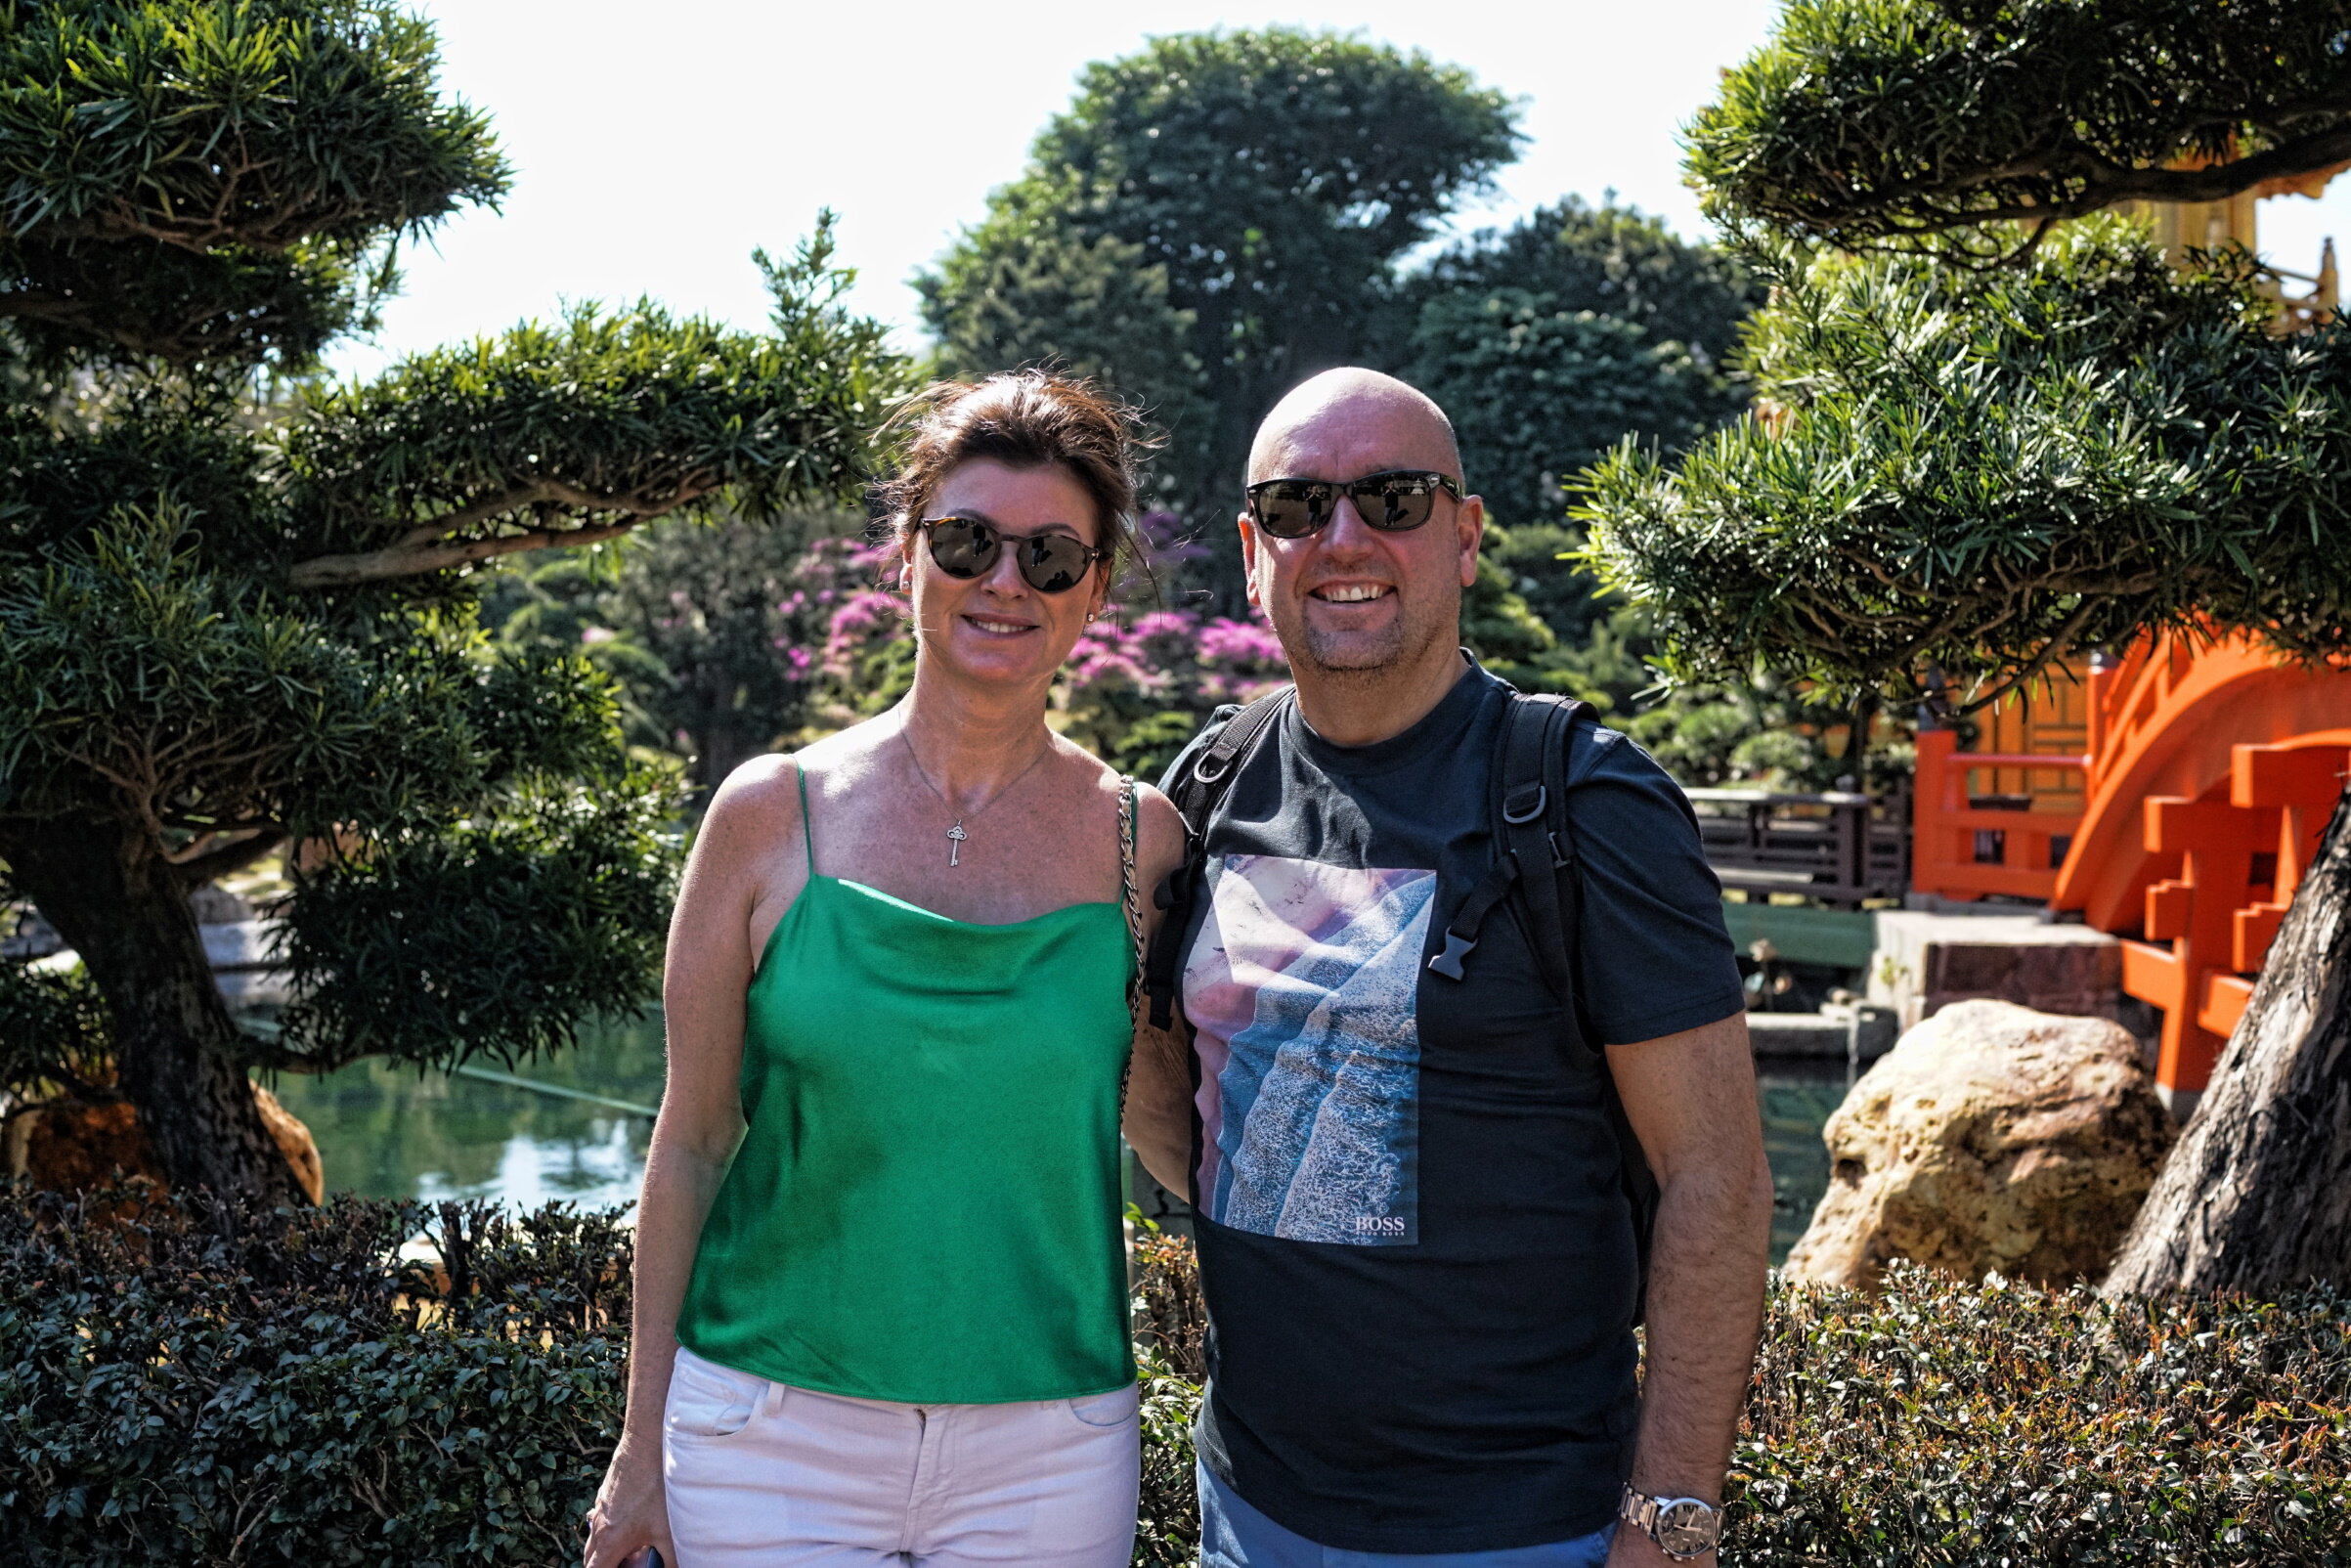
<point>1944,1422</point>
<point>186,1381</point>
<point>190,1382</point>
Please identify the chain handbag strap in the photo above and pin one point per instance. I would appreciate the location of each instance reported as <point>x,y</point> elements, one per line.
<point>1130,894</point>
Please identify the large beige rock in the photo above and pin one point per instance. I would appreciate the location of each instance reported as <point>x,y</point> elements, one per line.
<point>1992,1137</point>
<point>68,1146</point>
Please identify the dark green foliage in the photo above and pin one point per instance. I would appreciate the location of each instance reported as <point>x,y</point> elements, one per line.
<point>1955,1424</point>
<point>1764,733</point>
<point>1267,180</point>
<point>1538,392</point>
<point>1170,1321</point>
<point>194,180</point>
<point>53,1033</point>
<point>233,621</point>
<point>1616,261</point>
<point>70,471</point>
<point>1024,286</point>
<point>1913,122</point>
<point>715,633</point>
<point>1168,1522</point>
<point>1981,474</point>
<point>1532,558</point>
<point>160,1383</point>
<point>1547,343</point>
<point>493,937</point>
<point>223,1384</point>
<point>1497,623</point>
<point>190,701</point>
<point>603,420</point>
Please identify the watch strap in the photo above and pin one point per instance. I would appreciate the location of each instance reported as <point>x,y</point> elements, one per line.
<point>1644,1513</point>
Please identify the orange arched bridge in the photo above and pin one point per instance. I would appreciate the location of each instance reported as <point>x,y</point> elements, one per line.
<point>2207,773</point>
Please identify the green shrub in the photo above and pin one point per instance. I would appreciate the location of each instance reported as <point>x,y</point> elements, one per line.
<point>1171,1322</point>
<point>186,1381</point>
<point>1944,1422</point>
<point>209,1384</point>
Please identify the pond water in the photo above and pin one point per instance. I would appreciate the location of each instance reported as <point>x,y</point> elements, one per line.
<point>387,1131</point>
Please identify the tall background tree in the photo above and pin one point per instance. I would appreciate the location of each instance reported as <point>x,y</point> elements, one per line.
<point>1970,473</point>
<point>232,623</point>
<point>1212,219</point>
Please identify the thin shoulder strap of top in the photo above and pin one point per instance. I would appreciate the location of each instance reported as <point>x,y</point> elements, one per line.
<point>807,825</point>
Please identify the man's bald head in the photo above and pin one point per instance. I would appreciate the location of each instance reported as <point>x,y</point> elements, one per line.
<point>1352,416</point>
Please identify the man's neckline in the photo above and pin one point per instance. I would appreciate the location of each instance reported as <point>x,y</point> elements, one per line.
<point>1454,712</point>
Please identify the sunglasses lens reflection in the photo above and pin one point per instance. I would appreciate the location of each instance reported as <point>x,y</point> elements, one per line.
<point>1397,506</point>
<point>1053,563</point>
<point>1293,508</point>
<point>962,549</point>
<point>1294,511</point>
<point>965,547</point>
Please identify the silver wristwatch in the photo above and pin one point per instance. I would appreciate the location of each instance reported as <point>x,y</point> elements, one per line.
<point>1682,1527</point>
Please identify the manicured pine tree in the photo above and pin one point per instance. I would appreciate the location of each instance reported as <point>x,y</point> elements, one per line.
<point>1993,440</point>
<point>236,614</point>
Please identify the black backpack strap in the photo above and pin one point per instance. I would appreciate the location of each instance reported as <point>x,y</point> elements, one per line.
<point>1530,795</point>
<point>1533,810</point>
<point>1534,856</point>
<point>1553,905</point>
<point>1195,796</point>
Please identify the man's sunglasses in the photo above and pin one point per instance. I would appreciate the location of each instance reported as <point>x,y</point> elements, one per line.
<point>1398,500</point>
<point>966,547</point>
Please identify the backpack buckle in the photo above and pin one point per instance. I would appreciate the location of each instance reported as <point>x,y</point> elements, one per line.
<point>1449,962</point>
<point>1515,809</point>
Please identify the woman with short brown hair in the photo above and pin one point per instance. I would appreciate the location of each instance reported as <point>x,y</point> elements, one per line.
<point>881,1290</point>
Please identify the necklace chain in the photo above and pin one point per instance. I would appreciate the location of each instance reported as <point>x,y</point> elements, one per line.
<point>957,835</point>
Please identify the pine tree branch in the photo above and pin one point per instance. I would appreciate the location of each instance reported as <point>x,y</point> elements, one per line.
<point>215,864</point>
<point>427,547</point>
<point>2109,183</point>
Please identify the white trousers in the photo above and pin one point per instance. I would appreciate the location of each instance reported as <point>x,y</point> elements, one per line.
<point>765,1475</point>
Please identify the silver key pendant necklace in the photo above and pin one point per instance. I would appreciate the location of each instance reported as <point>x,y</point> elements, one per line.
<point>957,835</point>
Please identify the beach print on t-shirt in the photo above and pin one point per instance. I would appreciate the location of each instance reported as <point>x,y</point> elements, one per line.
<point>1301,993</point>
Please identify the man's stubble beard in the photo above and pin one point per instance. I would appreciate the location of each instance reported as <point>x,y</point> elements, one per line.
<point>1329,658</point>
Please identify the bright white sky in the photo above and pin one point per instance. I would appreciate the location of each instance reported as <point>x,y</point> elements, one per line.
<point>655,146</point>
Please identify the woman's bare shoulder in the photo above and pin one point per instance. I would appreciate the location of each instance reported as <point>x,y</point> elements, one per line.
<point>838,761</point>
<point>752,814</point>
<point>1160,831</point>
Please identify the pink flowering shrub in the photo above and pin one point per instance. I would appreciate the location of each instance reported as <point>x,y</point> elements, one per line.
<point>865,660</point>
<point>1133,693</point>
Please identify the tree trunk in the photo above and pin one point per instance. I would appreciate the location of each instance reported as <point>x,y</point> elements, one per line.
<point>110,894</point>
<point>2257,1196</point>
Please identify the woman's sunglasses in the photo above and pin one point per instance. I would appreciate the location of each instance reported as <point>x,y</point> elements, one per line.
<point>966,547</point>
<point>1398,500</point>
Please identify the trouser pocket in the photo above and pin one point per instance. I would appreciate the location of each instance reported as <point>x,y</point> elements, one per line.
<point>1104,1411</point>
<point>708,1400</point>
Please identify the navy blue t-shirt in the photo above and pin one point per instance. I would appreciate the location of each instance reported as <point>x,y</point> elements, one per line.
<point>1417,1258</point>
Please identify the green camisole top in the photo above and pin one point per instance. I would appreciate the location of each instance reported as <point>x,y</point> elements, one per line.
<point>926,1204</point>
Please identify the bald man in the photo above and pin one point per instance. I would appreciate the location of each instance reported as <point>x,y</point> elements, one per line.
<point>1416,1248</point>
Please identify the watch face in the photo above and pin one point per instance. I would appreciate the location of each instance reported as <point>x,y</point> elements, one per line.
<point>1688,1525</point>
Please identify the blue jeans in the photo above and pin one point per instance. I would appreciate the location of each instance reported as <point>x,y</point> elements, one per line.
<point>1234,1535</point>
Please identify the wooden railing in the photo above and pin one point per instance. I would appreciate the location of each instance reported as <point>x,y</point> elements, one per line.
<point>1966,847</point>
<point>1836,848</point>
<point>2195,882</point>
